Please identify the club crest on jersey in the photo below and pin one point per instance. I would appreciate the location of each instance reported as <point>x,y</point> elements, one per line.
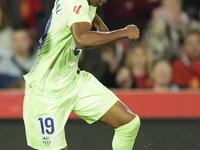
<point>46,140</point>
<point>76,51</point>
<point>77,9</point>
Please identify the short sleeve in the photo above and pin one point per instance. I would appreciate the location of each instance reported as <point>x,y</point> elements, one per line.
<point>77,11</point>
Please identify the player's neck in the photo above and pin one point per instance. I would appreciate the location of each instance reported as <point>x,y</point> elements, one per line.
<point>88,2</point>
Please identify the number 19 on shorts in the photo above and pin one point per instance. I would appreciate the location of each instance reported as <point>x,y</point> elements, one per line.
<point>47,125</point>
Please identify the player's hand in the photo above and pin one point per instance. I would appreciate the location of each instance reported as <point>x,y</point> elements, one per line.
<point>132,32</point>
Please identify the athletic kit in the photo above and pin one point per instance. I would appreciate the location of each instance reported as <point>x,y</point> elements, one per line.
<point>55,86</point>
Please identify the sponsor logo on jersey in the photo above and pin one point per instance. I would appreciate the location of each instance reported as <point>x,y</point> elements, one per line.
<point>46,140</point>
<point>77,9</point>
<point>76,51</point>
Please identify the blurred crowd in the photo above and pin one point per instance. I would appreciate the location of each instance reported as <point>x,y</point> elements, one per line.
<point>165,58</point>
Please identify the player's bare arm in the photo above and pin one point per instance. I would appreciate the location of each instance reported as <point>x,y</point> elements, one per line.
<point>99,24</point>
<point>85,38</point>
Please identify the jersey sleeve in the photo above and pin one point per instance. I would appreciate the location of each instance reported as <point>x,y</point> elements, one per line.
<point>77,11</point>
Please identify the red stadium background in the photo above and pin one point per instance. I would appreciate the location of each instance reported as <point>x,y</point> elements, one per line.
<point>168,121</point>
<point>185,104</point>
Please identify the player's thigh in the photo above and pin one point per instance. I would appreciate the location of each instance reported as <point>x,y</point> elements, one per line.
<point>117,115</point>
<point>45,118</point>
<point>94,101</point>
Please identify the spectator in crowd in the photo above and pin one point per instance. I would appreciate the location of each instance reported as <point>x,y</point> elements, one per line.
<point>119,13</point>
<point>166,29</point>
<point>5,31</point>
<point>108,55</point>
<point>35,14</point>
<point>31,13</point>
<point>193,8</point>
<point>28,9</point>
<point>12,69</point>
<point>105,61</point>
<point>162,74</point>
<point>124,78</point>
<point>186,72</point>
<point>139,60</point>
<point>97,67</point>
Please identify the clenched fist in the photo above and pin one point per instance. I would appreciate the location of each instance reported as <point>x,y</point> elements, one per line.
<point>132,32</point>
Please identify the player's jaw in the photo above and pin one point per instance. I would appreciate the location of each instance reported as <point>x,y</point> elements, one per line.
<point>96,2</point>
<point>101,2</point>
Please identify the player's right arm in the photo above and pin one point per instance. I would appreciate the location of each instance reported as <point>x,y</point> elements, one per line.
<point>84,38</point>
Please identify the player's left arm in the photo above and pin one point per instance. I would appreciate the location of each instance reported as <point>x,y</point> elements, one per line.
<point>99,24</point>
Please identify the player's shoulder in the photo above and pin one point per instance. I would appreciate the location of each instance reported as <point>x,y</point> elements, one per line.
<point>72,2</point>
<point>78,7</point>
<point>82,3</point>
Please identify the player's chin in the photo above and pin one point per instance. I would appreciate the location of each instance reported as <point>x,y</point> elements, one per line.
<point>100,4</point>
